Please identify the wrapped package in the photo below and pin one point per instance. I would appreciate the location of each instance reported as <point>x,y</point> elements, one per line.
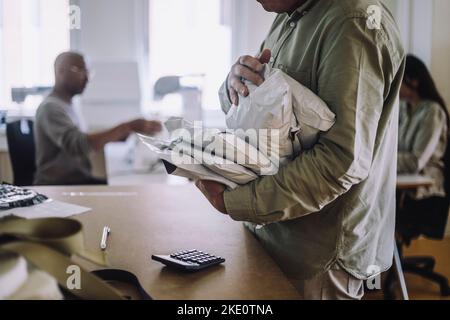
<point>284,104</point>
<point>225,159</point>
<point>274,124</point>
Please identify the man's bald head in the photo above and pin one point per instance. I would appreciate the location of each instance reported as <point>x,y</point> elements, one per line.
<point>71,74</point>
<point>67,59</point>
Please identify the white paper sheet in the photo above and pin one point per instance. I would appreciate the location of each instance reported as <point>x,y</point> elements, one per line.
<point>48,209</point>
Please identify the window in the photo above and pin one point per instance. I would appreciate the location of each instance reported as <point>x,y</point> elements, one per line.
<point>189,38</point>
<point>32,34</point>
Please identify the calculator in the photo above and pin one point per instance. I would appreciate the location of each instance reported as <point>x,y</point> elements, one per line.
<point>189,260</point>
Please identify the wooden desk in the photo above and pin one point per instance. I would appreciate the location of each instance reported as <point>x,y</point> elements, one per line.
<point>412,182</point>
<point>161,219</point>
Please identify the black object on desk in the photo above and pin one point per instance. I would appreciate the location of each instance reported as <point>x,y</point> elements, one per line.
<point>189,260</point>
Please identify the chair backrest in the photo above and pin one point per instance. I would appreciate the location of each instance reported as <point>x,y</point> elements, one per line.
<point>447,182</point>
<point>22,151</point>
<point>435,222</point>
<point>446,160</point>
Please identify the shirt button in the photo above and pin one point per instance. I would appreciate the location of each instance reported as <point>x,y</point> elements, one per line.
<point>292,24</point>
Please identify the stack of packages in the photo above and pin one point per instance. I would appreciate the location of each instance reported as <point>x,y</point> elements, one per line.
<point>274,124</point>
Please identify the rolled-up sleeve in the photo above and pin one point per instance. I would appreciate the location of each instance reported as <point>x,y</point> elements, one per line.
<point>352,80</point>
<point>60,129</point>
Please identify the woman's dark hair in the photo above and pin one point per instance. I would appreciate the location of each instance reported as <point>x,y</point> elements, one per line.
<point>417,70</point>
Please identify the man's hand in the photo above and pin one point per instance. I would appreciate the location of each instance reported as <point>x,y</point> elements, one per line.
<point>213,191</point>
<point>145,127</point>
<point>246,68</point>
<point>97,141</point>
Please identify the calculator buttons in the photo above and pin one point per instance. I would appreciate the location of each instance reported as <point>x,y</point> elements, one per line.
<point>189,259</point>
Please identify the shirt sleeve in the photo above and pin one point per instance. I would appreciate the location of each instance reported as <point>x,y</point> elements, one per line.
<point>63,132</point>
<point>351,80</point>
<point>426,141</point>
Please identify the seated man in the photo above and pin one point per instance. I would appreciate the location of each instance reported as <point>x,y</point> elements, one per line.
<point>62,149</point>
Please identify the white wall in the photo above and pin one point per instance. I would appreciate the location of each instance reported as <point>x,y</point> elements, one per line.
<point>440,61</point>
<point>440,50</point>
<point>110,29</point>
<point>115,29</point>
<point>424,26</point>
<point>250,24</point>
<point>414,31</point>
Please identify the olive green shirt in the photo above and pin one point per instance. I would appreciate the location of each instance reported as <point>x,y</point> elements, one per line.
<point>422,144</point>
<point>336,202</point>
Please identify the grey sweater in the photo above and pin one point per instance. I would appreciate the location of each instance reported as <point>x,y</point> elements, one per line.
<point>62,149</point>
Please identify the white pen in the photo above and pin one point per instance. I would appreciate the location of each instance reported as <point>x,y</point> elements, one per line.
<point>106,232</point>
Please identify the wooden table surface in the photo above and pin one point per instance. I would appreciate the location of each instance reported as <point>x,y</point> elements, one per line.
<point>162,219</point>
<point>411,182</point>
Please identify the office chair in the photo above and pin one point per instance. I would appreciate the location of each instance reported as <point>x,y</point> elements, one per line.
<point>21,151</point>
<point>431,223</point>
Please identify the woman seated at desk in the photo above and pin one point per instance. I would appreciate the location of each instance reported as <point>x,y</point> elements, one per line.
<point>422,145</point>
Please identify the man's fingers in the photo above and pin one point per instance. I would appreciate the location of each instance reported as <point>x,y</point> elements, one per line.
<point>234,97</point>
<point>265,56</point>
<point>247,74</point>
<point>148,127</point>
<point>199,184</point>
<point>212,188</point>
<point>238,86</point>
<point>246,68</point>
<point>156,129</point>
<point>155,125</point>
<point>201,187</point>
<point>213,191</point>
<point>252,63</point>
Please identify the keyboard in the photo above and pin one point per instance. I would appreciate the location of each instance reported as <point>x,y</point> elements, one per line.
<point>189,260</point>
<point>17,197</point>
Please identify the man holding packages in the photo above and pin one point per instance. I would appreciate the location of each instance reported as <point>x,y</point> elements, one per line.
<point>328,217</point>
